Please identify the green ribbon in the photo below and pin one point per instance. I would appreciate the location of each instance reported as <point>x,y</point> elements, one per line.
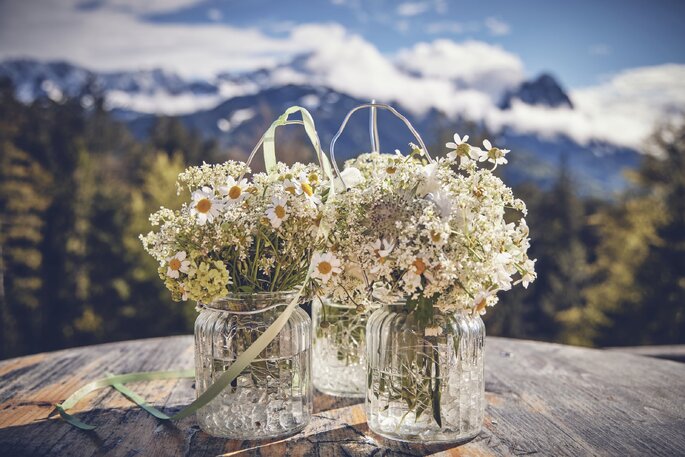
<point>269,139</point>
<point>243,360</point>
<point>114,381</point>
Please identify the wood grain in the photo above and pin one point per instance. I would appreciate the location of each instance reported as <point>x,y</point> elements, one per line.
<point>543,399</point>
<point>669,352</point>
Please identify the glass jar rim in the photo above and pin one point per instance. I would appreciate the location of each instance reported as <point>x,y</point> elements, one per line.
<point>325,301</point>
<point>251,302</point>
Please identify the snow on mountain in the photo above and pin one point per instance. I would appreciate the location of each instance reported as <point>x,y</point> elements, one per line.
<point>144,91</point>
<point>33,79</point>
<point>536,118</point>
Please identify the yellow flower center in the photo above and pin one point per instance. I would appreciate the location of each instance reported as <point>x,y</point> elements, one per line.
<point>324,267</point>
<point>174,264</point>
<point>313,178</point>
<point>391,170</point>
<point>290,189</point>
<point>463,149</point>
<point>435,236</point>
<point>280,211</point>
<point>307,189</point>
<point>235,192</point>
<point>420,266</point>
<point>203,206</point>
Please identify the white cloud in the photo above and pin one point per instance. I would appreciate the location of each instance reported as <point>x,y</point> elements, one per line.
<point>137,6</point>
<point>632,103</point>
<point>624,110</point>
<point>471,64</point>
<point>161,102</point>
<point>107,39</point>
<point>412,8</point>
<point>497,27</point>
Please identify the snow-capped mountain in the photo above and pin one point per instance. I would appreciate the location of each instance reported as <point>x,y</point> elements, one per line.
<point>145,91</point>
<point>543,91</point>
<point>235,109</point>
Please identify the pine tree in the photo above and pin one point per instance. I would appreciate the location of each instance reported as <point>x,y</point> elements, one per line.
<point>557,220</point>
<point>638,296</point>
<point>24,196</point>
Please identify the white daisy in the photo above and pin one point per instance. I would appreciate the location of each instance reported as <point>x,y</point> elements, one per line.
<point>204,205</point>
<point>306,188</point>
<point>457,141</point>
<point>292,186</point>
<point>412,277</point>
<point>324,266</point>
<point>459,147</point>
<point>382,248</point>
<point>412,281</point>
<point>493,154</point>
<point>277,212</point>
<point>234,191</point>
<point>177,263</point>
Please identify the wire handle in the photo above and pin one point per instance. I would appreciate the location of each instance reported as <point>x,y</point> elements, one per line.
<point>373,129</point>
<point>373,106</point>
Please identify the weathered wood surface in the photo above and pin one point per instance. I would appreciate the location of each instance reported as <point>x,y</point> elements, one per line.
<point>542,399</point>
<point>669,352</point>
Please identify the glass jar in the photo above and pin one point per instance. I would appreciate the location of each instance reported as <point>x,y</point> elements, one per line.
<point>273,396</point>
<point>425,380</point>
<point>339,349</point>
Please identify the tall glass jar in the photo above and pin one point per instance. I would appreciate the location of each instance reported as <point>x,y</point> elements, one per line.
<point>273,396</point>
<point>339,349</point>
<point>425,379</point>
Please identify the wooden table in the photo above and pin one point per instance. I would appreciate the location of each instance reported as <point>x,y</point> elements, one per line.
<point>544,399</point>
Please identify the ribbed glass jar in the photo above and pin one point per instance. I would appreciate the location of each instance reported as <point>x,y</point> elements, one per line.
<point>425,380</point>
<point>273,396</point>
<point>338,349</point>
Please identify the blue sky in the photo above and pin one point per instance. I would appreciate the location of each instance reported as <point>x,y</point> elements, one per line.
<point>579,41</point>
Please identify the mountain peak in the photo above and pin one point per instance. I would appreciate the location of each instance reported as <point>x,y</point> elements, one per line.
<point>543,91</point>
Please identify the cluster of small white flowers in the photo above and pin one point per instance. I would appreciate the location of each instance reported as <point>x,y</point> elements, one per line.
<point>238,234</point>
<point>408,228</point>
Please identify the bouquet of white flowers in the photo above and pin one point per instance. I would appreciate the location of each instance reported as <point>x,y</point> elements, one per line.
<point>236,234</point>
<point>440,232</point>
